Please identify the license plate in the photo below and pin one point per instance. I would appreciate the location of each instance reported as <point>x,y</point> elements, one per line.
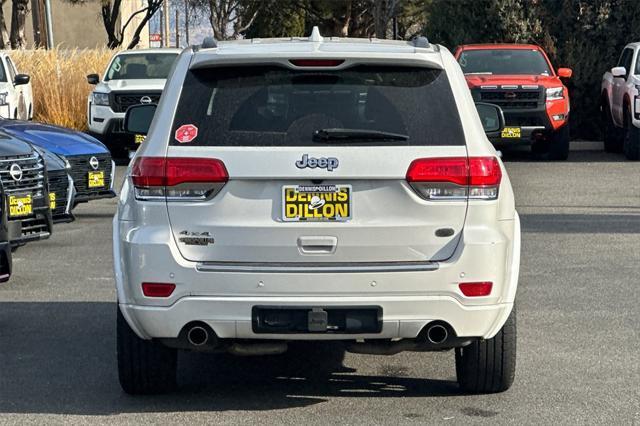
<point>318,203</point>
<point>20,205</point>
<point>140,138</point>
<point>96,179</point>
<point>52,200</point>
<point>511,132</point>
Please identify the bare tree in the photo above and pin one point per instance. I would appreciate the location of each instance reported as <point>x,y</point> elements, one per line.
<point>5,41</point>
<point>230,19</point>
<point>383,12</point>
<point>110,11</point>
<point>19,9</point>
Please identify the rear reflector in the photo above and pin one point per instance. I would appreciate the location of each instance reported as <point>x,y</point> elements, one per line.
<point>476,289</point>
<point>451,178</point>
<point>316,62</point>
<point>154,177</point>
<point>158,289</point>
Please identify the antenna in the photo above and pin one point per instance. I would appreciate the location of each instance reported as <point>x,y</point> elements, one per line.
<point>315,35</point>
<point>209,42</point>
<point>421,41</point>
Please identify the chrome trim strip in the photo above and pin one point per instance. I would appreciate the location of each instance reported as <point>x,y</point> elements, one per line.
<point>13,160</point>
<point>509,86</point>
<point>71,195</point>
<point>113,174</point>
<point>306,268</point>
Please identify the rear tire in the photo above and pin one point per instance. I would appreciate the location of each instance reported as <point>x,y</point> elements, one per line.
<point>559,145</point>
<point>631,141</point>
<point>612,139</point>
<point>489,366</point>
<point>144,366</point>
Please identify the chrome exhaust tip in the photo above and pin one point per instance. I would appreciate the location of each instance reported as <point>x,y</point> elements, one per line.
<point>198,336</point>
<point>437,334</point>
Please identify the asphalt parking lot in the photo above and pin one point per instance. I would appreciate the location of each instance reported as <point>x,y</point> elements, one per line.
<point>578,315</point>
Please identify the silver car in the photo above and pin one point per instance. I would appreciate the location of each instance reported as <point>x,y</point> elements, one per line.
<point>312,189</point>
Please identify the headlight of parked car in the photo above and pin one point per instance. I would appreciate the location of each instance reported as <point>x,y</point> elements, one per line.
<point>555,93</point>
<point>100,98</point>
<point>3,97</point>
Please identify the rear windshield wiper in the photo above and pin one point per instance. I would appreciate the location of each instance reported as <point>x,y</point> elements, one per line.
<point>339,135</point>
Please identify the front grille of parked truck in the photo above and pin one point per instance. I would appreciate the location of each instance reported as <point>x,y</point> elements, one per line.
<point>80,168</point>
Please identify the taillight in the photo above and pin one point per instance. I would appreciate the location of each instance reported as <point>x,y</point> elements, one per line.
<point>177,178</point>
<point>455,178</point>
<point>476,289</point>
<point>158,289</point>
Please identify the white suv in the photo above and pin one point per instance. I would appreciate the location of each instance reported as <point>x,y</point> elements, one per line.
<point>311,190</point>
<point>132,77</point>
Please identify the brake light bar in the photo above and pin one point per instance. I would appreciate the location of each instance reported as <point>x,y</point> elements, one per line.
<point>451,178</point>
<point>180,178</point>
<point>316,62</point>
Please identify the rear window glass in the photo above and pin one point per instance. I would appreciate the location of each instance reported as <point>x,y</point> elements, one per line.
<point>504,62</point>
<point>275,106</point>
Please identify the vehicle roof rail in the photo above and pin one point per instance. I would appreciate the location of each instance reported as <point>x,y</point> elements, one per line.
<point>421,41</point>
<point>209,42</point>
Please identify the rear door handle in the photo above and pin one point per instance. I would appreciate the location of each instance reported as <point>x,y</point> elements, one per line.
<point>317,244</point>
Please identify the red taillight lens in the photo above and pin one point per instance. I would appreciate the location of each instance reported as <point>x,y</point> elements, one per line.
<point>452,178</point>
<point>195,170</point>
<point>454,170</point>
<point>316,62</point>
<point>160,171</point>
<point>155,177</point>
<point>484,171</point>
<point>148,171</point>
<point>158,289</point>
<point>476,289</point>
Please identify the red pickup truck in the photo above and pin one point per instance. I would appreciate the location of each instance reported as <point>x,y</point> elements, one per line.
<point>521,80</point>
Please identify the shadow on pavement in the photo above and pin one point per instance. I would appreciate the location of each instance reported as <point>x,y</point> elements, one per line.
<point>523,154</point>
<point>59,358</point>
<point>581,223</point>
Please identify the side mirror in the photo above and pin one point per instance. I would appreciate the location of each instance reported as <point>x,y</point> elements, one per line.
<point>138,118</point>
<point>21,79</point>
<point>619,71</point>
<point>565,72</point>
<point>93,79</point>
<point>491,116</point>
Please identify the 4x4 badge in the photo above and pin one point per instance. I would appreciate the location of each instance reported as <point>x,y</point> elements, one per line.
<point>329,163</point>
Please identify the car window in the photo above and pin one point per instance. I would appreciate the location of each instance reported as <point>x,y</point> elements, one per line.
<point>627,60</point>
<point>3,74</point>
<point>140,66</point>
<point>274,106</point>
<point>623,57</point>
<point>504,62</point>
<point>11,69</point>
<point>637,68</point>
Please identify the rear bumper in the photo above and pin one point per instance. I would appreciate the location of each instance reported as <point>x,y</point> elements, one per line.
<point>34,228</point>
<point>224,299</point>
<point>230,317</point>
<point>6,262</point>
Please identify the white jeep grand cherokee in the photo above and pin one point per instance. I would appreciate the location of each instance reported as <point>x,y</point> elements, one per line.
<point>312,190</point>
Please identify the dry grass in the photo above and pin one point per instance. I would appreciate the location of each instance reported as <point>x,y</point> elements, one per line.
<point>60,87</point>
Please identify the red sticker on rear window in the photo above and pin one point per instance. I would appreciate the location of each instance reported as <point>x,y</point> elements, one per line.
<point>186,133</point>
